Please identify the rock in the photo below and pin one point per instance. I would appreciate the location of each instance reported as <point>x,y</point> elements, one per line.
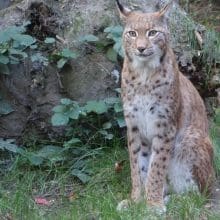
<point>33,93</point>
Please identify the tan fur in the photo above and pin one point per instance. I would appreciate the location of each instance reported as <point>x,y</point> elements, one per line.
<point>165,116</point>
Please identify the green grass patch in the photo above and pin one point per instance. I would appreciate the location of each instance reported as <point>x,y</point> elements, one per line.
<point>71,200</point>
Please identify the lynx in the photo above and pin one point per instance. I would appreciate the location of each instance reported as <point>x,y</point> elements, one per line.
<point>167,126</point>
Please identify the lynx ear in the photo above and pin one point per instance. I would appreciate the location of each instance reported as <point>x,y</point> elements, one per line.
<point>164,10</point>
<point>123,11</point>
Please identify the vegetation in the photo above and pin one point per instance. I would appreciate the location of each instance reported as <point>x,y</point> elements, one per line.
<point>66,178</point>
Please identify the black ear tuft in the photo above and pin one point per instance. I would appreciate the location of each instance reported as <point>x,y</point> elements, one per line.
<point>124,11</point>
<point>121,8</point>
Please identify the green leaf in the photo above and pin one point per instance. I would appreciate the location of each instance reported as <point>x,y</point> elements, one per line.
<point>34,159</point>
<point>118,107</point>
<point>61,63</point>
<point>121,122</point>
<point>11,32</point>
<point>6,145</point>
<point>74,113</point>
<point>107,125</point>
<point>81,175</point>
<point>49,40</point>
<point>117,30</point>
<point>34,46</point>
<point>118,48</point>
<point>107,135</point>
<point>4,69</point>
<point>24,39</point>
<point>49,151</point>
<point>18,52</point>
<point>5,108</point>
<point>4,59</point>
<point>69,54</point>
<point>112,100</point>
<point>98,107</point>
<point>66,101</point>
<point>59,119</point>
<point>59,109</point>
<point>72,142</point>
<point>79,164</point>
<point>111,55</point>
<point>89,38</point>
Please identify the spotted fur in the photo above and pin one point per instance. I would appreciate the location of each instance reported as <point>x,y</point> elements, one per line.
<point>167,126</point>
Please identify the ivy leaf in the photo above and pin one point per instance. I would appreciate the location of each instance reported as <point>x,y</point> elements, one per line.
<point>49,40</point>
<point>98,107</point>
<point>59,119</point>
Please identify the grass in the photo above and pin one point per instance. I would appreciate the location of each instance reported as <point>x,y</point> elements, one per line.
<point>71,200</point>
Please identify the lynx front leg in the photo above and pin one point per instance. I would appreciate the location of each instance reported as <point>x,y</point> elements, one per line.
<point>134,147</point>
<point>161,148</point>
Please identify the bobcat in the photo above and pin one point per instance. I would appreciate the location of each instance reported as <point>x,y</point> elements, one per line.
<point>167,126</point>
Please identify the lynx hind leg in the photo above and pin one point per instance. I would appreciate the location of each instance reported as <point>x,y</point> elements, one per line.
<point>191,165</point>
<point>203,171</point>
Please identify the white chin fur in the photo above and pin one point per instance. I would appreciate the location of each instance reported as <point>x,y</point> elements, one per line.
<point>150,62</point>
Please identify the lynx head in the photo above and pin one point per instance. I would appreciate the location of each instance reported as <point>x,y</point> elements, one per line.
<point>144,36</point>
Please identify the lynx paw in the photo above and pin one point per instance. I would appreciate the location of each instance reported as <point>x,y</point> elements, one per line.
<point>159,208</point>
<point>123,205</point>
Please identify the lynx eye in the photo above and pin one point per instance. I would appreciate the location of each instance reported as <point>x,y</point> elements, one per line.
<point>132,33</point>
<point>152,33</point>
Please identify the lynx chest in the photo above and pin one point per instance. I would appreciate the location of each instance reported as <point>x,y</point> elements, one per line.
<point>145,112</point>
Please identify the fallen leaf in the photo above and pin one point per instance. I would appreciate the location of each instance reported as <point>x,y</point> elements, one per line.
<point>72,196</point>
<point>41,201</point>
<point>119,166</point>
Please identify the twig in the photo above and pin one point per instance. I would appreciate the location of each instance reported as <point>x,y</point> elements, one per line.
<point>199,38</point>
<point>59,80</point>
<point>63,41</point>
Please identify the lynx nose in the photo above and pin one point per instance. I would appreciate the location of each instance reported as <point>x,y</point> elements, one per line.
<point>141,49</point>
